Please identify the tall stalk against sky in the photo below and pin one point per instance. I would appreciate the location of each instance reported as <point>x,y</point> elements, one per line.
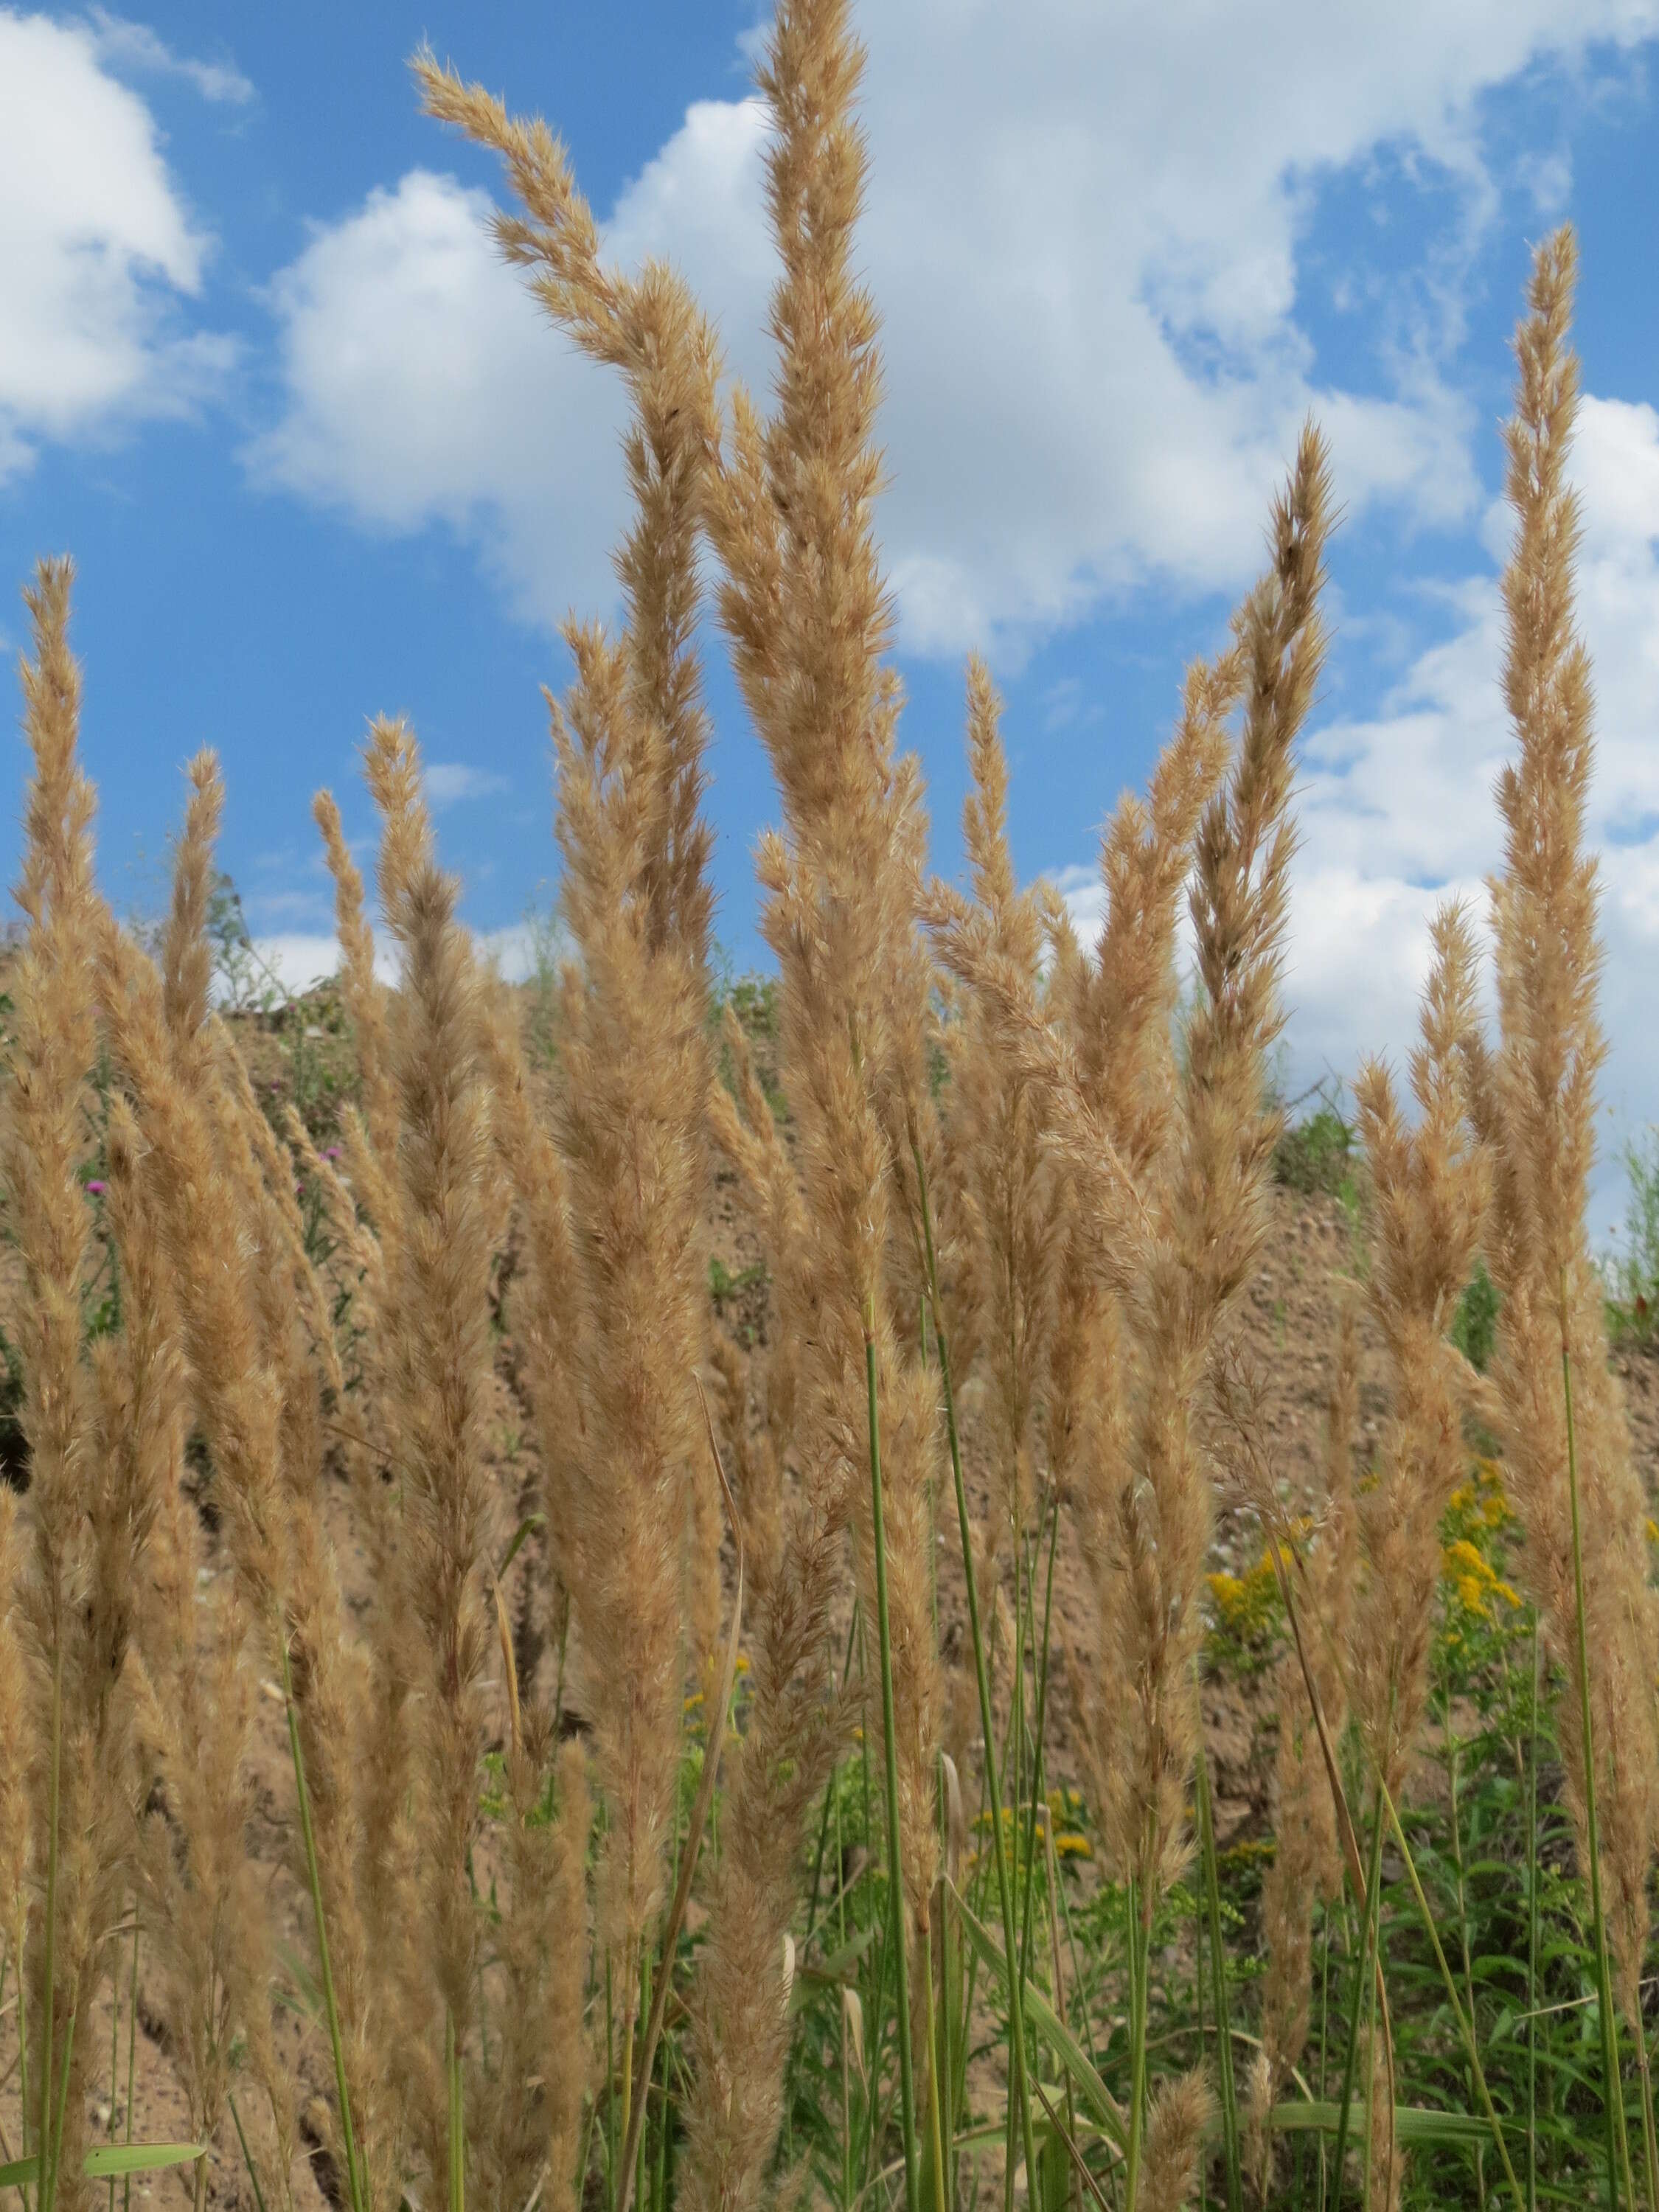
<point>1533,1098</point>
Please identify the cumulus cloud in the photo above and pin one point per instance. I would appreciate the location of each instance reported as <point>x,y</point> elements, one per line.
<point>1083,230</point>
<point>422,385</point>
<point>97,250</point>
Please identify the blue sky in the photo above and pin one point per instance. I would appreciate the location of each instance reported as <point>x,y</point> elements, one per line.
<point>317,457</point>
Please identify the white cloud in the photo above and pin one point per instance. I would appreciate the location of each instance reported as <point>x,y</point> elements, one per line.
<point>448,783</point>
<point>1400,812</point>
<point>424,384</point>
<point>135,47</point>
<point>96,251</point>
<point>423,387</point>
<point>1082,228</point>
<point>1549,177</point>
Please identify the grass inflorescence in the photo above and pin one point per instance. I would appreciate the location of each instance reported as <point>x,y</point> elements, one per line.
<point>501,1702</point>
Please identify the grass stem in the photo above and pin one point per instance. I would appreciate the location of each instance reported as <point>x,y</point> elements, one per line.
<point>981,1674</point>
<point>356,2189</point>
<point>1223,2033</point>
<point>896,1857</point>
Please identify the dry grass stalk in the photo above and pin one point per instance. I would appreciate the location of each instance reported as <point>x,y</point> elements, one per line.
<point>1101,1199</point>
<point>1533,1100</point>
<point>632,1133</point>
<point>1209,1213</point>
<point>444,1162</point>
<point>630,748</point>
<point>72,1615</point>
<point>804,604</point>
<point>1116,1010</point>
<point>1009,1200</point>
<point>788,513</point>
<point>1430,1183</point>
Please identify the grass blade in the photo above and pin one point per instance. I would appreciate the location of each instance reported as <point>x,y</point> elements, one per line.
<point>1019,1989</point>
<point>1224,2041</point>
<point>1105,2108</point>
<point>896,1874</point>
<point>354,2179</point>
<point>109,2159</point>
<point>651,2028</point>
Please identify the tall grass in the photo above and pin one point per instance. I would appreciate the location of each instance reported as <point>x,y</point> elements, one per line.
<point>407,1438</point>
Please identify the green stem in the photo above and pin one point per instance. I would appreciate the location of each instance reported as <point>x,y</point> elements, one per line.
<point>1361,1970</point>
<point>1039,1766</point>
<point>890,1730</point>
<point>115,2051</point>
<point>247,2155</point>
<point>1140,1929</point>
<point>1324,2024</point>
<point>62,2101</point>
<point>44,2192</point>
<point>1199,1927</point>
<point>1612,2096</point>
<point>1532,1932</point>
<point>840,1944</point>
<point>1466,2027</point>
<point>457,2120</point>
<point>1004,1898</point>
<point>1371,2092</point>
<point>355,2179</point>
<point>935,2126</point>
<point>22,2042</point>
<point>1462,1913</point>
<point>609,2078</point>
<point>132,2054</point>
<point>1218,1983</point>
<point>1649,2140</point>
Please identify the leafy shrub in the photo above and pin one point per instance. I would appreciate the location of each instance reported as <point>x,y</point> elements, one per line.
<point>1313,1156</point>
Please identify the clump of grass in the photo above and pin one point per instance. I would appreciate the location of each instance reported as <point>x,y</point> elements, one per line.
<point>557,1950</point>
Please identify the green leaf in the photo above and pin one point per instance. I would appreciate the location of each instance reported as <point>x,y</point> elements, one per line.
<point>526,1527</point>
<point>139,2158</point>
<point>1054,2032</point>
<point>107,2159</point>
<point>1412,2123</point>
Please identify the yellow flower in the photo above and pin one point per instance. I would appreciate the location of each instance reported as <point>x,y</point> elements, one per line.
<point>1244,1604</point>
<point>1475,1579</point>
